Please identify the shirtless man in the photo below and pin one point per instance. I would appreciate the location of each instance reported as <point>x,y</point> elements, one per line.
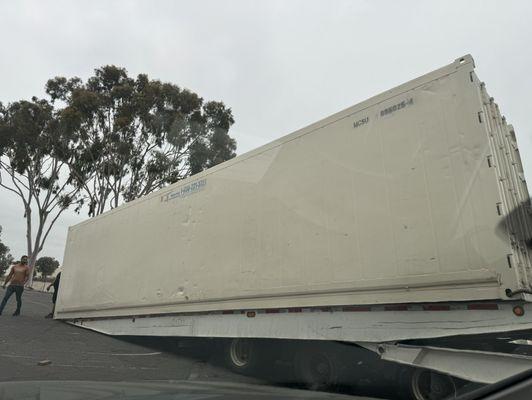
<point>18,276</point>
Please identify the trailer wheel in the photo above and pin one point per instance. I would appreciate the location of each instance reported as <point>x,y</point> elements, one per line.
<point>424,384</point>
<point>243,355</point>
<point>316,368</point>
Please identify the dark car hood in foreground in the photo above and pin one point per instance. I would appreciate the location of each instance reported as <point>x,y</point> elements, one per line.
<point>152,390</point>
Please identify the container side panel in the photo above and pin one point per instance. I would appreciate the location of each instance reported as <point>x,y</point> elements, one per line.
<point>393,200</point>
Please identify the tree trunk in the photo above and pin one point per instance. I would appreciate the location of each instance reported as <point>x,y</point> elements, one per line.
<point>37,247</point>
<point>32,259</point>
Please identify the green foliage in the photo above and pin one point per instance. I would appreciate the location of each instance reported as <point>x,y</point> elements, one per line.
<point>46,266</point>
<point>34,149</point>
<point>133,136</point>
<point>5,257</point>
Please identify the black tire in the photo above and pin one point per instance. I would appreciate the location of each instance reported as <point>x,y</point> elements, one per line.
<point>316,368</point>
<point>424,384</point>
<point>244,356</point>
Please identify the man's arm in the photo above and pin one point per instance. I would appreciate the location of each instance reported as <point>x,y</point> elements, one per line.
<point>8,278</point>
<point>51,284</point>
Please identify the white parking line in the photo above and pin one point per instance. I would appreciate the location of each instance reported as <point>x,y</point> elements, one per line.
<point>127,354</point>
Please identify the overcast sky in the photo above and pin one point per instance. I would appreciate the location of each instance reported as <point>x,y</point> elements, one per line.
<point>279,65</point>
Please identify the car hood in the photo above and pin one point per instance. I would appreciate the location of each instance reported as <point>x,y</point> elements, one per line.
<point>153,390</point>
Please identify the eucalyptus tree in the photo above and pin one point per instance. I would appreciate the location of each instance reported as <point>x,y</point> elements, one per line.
<point>136,135</point>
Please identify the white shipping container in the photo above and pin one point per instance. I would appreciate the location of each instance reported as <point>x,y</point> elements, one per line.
<point>415,195</point>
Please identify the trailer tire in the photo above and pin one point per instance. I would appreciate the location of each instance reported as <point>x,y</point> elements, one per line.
<point>424,384</point>
<point>316,368</point>
<point>244,356</point>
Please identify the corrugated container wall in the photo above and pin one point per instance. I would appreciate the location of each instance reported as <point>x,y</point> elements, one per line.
<point>415,195</point>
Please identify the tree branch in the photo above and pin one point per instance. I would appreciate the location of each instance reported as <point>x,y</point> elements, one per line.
<point>18,193</point>
<point>49,228</point>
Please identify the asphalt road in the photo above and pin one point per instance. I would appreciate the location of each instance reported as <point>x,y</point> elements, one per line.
<point>72,353</point>
<point>78,354</point>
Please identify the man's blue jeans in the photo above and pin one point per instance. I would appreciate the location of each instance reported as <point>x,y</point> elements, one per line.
<point>9,292</point>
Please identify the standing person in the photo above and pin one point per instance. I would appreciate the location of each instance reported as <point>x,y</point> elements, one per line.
<point>55,284</point>
<point>17,277</point>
